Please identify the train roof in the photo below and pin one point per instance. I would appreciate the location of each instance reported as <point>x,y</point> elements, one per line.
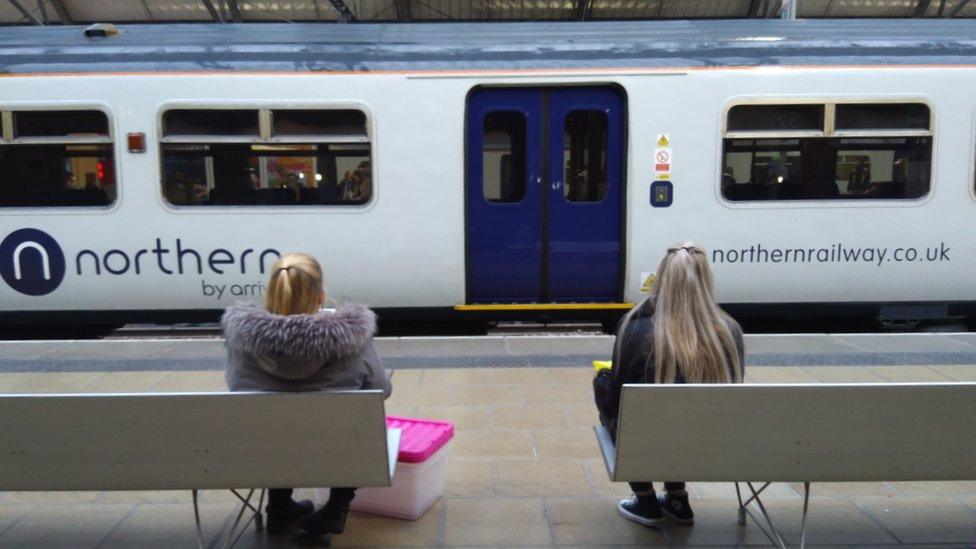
<point>590,45</point>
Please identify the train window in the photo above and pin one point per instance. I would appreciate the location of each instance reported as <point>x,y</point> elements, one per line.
<point>225,122</point>
<point>60,123</point>
<point>503,157</point>
<point>585,156</point>
<point>865,152</point>
<point>882,116</point>
<point>307,158</point>
<point>342,124</point>
<point>744,118</point>
<point>56,159</point>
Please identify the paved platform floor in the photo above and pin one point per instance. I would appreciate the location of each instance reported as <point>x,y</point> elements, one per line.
<point>524,471</point>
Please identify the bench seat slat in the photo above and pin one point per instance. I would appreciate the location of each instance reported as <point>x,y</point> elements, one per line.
<point>793,433</point>
<point>192,440</point>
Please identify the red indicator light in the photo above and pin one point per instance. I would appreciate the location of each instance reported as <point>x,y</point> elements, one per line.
<point>137,142</point>
<point>101,171</point>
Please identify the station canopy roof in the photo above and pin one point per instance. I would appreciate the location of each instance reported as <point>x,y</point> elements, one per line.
<point>56,12</point>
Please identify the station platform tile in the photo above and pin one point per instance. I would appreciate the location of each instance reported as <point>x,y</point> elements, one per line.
<point>524,471</point>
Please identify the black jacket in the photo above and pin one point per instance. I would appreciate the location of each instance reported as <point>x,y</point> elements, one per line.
<point>633,361</point>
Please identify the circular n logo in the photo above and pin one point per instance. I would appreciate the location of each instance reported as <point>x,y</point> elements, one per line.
<point>31,262</point>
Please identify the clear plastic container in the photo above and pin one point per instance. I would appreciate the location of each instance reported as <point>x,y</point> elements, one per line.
<point>420,472</point>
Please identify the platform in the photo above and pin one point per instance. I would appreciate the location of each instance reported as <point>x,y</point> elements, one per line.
<point>525,468</point>
<point>514,351</point>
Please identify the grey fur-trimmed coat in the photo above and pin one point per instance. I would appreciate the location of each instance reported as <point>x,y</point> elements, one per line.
<point>331,349</point>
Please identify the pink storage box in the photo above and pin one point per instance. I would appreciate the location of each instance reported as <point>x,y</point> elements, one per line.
<point>420,471</point>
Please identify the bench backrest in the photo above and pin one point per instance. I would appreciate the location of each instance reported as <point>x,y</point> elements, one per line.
<point>831,432</point>
<point>193,440</point>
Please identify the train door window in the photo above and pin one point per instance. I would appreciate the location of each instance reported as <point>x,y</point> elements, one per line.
<point>855,151</point>
<point>56,158</point>
<point>585,156</point>
<point>266,157</point>
<point>503,157</point>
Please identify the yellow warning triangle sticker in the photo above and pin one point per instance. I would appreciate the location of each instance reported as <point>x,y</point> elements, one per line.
<point>663,140</point>
<point>648,282</point>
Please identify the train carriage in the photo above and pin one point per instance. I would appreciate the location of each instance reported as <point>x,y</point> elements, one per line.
<point>488,171</point>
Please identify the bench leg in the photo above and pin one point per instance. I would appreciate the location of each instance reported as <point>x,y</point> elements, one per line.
<point>196,515</point>
<point>742,508</point>
<point>806,506</point>
<point>772,533</point>
<point>233,535</point>
<point>258,517</point>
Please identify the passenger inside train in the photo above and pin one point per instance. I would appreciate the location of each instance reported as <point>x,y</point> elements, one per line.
<point>313,157</point>
<point>293,344</point>
<point>57,158</point>
<point>796,152</point>
<point>677,335</point>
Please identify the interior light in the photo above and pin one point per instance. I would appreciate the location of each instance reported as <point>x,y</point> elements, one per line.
<point>779,179</point>
<point>318,177</point>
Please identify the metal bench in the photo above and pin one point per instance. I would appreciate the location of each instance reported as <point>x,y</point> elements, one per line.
<point>793,433</point>
<point>194,441</point>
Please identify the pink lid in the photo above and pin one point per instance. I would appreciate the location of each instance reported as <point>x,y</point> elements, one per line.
<point>420,438</point>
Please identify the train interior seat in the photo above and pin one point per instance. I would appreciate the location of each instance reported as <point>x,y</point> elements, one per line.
<point>308,196</point>
<point>275,197</point>
<point>233,197</point>
<point>66,197</point>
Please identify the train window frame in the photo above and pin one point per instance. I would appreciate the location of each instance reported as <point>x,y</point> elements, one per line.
<point>266,137</point>
<point>829,132</point>
<point>972,156</point>
<point>8,137</point>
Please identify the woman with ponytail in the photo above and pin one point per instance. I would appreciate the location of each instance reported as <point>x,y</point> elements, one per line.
<point>677,335</point>
<point>293,344</point>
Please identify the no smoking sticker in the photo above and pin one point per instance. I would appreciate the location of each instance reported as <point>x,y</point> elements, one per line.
<point>662,160</point>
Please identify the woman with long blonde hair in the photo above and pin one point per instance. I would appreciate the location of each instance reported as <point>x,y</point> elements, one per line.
<point>293,344</point>
<point>677,335</point>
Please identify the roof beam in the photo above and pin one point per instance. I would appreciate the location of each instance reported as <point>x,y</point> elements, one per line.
<point>345,15</point>
<point>403,10</point>
<point>753,8</point>
<point>958,8</point>
<point>62,12</point>
<point>24,11</point>
<point>584,9</point>
<point>145,8</point>
<point>921,8</point>
<point>213,11</point>
<point>235,11</point>
<point>40,6</point>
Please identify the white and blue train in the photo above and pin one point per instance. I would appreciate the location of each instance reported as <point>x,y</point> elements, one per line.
<point>476,171</point>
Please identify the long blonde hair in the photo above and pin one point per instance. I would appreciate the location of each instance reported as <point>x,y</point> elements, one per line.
<point>691,333</point>
<point>296,286</point>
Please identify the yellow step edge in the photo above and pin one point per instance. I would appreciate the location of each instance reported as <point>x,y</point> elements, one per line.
<point>543,306</point>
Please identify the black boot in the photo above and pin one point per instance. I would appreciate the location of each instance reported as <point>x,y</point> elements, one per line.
<point>330,519</point>
<point>280,518</point>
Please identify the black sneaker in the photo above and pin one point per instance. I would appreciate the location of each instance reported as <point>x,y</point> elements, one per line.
<point>677,509</point>
<point>645,511</point>
<point>280,519</point>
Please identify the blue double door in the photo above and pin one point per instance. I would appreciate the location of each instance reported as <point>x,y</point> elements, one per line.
<point>544,197</point>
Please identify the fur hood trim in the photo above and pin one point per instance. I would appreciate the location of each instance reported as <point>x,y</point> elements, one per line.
<point>326,335</point>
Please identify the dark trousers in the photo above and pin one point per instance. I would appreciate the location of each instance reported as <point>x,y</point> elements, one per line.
<point>339,498</point>
<point>646,488</point>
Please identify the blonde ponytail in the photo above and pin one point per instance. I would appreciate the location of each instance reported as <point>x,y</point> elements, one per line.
<point>296,285</point>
